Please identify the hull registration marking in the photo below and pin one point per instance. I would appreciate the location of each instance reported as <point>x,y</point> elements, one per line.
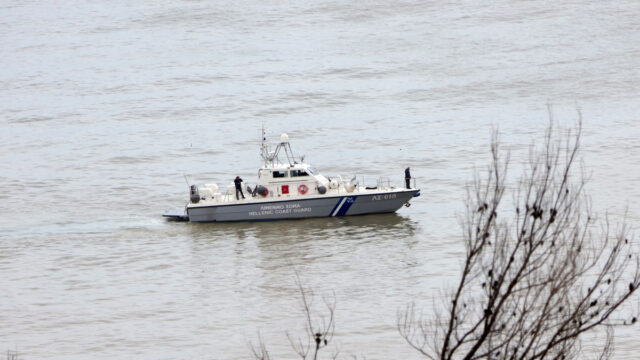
<point>383,197</point>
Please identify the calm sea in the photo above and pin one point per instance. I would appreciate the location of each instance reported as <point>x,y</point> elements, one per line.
<point>106,105</point>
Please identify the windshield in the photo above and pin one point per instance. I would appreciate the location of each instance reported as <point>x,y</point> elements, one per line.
<point>312,171</point>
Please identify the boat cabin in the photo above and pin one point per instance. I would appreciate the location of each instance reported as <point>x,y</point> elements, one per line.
<point>290,180</point>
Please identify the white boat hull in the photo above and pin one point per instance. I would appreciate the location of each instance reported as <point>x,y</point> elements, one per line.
<point>316,206</point>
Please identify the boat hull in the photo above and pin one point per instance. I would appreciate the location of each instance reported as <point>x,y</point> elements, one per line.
<point>343,205</point>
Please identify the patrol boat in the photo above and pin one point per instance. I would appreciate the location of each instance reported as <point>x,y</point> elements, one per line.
<point>291,189</point>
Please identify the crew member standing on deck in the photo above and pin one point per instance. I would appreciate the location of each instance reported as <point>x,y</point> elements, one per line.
<point>238,183</point>
<point>407,177</point>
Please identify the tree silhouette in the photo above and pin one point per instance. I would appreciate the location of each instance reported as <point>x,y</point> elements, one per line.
<point>536,276</point>
<point>319,328</point>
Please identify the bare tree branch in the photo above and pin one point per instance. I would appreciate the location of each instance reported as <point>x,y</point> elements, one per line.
<point>319,329</point>
<point>260,352</point>
<point>537,277</point>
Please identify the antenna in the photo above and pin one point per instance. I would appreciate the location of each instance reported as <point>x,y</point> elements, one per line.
<point>264,150</point>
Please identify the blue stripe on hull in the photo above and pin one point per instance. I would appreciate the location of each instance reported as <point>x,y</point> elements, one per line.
<point>333,211</point>
<point>346,205</point>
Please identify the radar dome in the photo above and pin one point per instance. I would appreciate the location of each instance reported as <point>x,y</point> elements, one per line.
<point>349,186</point>
<point>284,138</point>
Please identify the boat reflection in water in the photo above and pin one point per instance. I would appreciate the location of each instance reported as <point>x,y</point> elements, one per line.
<point>312,229</point>
<point>280,244</point>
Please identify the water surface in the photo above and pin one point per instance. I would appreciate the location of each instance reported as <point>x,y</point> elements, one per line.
<point>105,106</point>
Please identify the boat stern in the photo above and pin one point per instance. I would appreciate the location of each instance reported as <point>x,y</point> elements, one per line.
<point>176,215</point>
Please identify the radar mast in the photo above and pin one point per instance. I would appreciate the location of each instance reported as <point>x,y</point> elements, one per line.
<point>270,157</point>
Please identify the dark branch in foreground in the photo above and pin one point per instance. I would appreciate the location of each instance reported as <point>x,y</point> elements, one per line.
<point>535,277</point>
<point>319,329</point>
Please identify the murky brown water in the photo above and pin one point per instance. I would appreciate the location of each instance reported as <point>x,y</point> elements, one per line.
<point>105,105</point>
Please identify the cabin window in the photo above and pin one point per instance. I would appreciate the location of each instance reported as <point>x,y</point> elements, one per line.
<point>312,171</point>
<point>280,174</point>
<point>298,173</point>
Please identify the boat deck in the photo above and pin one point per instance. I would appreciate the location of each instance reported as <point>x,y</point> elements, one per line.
<point>230,198</point>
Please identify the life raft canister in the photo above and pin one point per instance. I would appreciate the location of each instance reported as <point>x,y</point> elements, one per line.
<point>302,189</point>
<point>262,190</point>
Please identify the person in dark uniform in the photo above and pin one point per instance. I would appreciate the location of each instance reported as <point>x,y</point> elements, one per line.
<point>238,183</point>
<point>407,177</point>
